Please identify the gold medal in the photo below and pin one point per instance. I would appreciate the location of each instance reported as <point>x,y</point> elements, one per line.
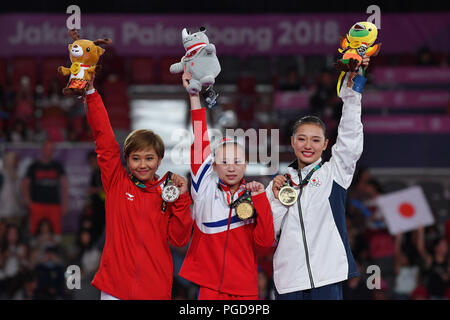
<point>244,210</point>
<point>75,67</point>
<point>287,195</point>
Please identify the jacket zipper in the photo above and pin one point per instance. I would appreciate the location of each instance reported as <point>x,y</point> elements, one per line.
<point>225,249</point>
<point>305,244</point>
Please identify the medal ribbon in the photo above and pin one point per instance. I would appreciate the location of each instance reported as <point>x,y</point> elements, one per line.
<point>142,185</point>
<point>246,195</point>
<point>223,187</point>
<point>305,181</point>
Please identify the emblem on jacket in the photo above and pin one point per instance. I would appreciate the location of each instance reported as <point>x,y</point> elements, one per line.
<point>315,182</point>
<point>129,196</point>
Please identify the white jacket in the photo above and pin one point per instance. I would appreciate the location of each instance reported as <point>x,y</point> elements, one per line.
<point>313,248</point>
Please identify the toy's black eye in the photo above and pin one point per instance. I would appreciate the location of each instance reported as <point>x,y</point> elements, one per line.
<point>88,49</point>
<point>370,30</point>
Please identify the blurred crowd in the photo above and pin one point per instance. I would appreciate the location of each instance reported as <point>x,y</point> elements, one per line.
<point>33,262</point>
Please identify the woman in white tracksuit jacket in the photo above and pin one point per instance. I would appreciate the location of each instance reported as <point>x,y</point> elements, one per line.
<point>313,254</point>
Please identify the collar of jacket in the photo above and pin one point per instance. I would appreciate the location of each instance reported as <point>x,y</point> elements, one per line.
<point>294,168</point>
<point>149,186</point>
<point>223,187</point>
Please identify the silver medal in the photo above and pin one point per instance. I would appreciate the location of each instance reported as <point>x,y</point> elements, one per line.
<point>170,193</point>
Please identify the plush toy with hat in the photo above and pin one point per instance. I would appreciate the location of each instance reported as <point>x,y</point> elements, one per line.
<point>200,60</point>
<point>355,45</point>
<point>84,55</point>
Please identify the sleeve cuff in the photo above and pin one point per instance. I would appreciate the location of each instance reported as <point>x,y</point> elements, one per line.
<point>260,197</point>
<point>358,83</point>
<point>90,91</point>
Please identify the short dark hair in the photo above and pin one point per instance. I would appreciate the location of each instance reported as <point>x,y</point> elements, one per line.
<point>143,139</point>
<point>309,120</point>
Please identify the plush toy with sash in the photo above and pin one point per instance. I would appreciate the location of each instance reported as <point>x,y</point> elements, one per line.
<point>355,45</point>
<point>201,61</point>
<point>84,55</point>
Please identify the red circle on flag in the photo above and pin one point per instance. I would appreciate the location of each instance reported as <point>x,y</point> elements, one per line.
<point>406,209</point>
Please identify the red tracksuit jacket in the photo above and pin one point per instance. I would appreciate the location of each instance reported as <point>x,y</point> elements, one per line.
<point>136,261</point>
<point>221,255</point>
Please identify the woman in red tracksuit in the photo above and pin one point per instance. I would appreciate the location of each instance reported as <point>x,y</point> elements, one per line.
<point>136,261</point>
<point>221,258</point>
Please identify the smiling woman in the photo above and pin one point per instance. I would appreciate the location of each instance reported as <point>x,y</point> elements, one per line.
<point>136,261</point>
<point>309,140</point>
<point>143,150</point>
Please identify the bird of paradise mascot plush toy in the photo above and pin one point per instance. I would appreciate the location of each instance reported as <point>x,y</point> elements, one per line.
<point>355,45</point>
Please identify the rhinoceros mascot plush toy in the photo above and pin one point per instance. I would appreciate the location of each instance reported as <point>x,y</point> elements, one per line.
<point>200,60</point>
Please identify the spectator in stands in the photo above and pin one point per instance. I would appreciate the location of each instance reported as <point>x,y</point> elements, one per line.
<point>19,132</point>
<point>407,274</point>
<point>24,104</point>
<point>39,135</point>
<point>28,291</point>
<point>88,255</point>
<point>54,94</point>
<point>12,240</point>
<point>437,270</point>
<point>10,197</point>
<point>11,257</point>
<point>50,275</point>
<point>45,236</point>
<point>45,190</point>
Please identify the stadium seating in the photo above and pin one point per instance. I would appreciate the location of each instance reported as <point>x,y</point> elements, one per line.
<point>231,68</point>
<point>165,77</point>
<point>3,71</point>
<point>24,67</point>
<point>142,70</point>
<point>49,71</point>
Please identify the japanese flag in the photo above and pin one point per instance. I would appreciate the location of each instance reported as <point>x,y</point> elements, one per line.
<point>405,210</point>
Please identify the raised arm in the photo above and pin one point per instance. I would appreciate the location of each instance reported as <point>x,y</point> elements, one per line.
<point>349,143</point>
<point>201,163</point>
<point>106,146</point>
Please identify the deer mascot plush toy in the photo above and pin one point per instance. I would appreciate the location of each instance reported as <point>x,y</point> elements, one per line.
<point>84,55</point>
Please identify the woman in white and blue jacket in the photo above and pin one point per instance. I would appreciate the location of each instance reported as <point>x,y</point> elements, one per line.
<point>313,254</point>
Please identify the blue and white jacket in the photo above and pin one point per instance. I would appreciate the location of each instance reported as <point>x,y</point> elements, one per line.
<point>313,248</point>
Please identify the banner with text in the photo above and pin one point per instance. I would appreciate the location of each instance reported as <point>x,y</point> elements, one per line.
<point>158,35</point>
